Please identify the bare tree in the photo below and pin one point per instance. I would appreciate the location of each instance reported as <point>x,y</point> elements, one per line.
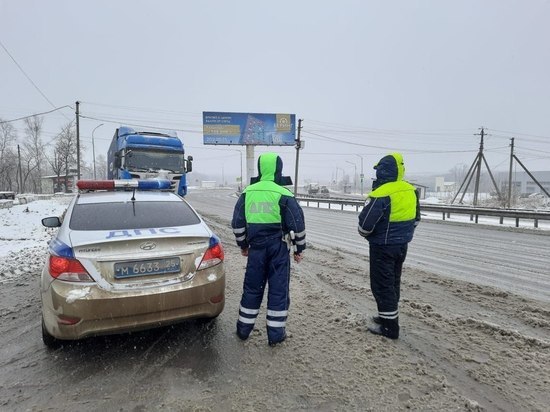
<point>64,155</point>
<point>458,173</point>
<point>34,151</point>
<point>101,167</point>
<point>8,157</point>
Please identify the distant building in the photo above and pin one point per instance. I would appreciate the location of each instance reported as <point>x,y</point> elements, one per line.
<point>421,190</point>
<point>441,186</point>
<point>55,184</point>
<point>523,184</point>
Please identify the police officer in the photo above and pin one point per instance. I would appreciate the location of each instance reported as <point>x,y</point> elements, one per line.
<point>387,221</point>
<point>264,217</point>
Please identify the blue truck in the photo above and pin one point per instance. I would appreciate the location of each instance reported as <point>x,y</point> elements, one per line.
<point>137,154</point>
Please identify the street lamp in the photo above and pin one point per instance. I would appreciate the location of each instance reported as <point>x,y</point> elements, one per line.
<point>338,168</point>
<point>93,146</point>
<point>362,175</point>
<point>354,176</point>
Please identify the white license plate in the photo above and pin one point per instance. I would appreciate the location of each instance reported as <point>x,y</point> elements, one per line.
<point>147,267</point>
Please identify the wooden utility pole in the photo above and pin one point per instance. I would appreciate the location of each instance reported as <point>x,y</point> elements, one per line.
<point>510,173</point>
<point>476,168</point>
<point>20,172</point>
<point>298,148</point>
<point>77,139</point>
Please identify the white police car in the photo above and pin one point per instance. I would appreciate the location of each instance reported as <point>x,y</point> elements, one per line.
<point>128,256</point>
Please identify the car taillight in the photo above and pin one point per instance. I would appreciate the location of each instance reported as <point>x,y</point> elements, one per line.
<point>212,257</point>
<point>71,270</point>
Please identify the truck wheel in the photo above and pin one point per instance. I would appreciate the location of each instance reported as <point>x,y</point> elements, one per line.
<point>49,340</point>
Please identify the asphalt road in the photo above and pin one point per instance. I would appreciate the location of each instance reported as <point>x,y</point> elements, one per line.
<point>517,261</point>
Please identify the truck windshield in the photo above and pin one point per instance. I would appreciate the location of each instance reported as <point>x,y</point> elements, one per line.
<point>138,160</point>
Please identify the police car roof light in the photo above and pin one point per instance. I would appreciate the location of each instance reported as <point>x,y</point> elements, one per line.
<point>153,184</point>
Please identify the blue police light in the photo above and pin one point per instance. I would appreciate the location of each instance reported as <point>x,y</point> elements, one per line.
<point>152,184</point>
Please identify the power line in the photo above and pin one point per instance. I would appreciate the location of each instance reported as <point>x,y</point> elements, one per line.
<point>385,147</point>
<point>144,109</point>
<point>521,134</point>
<point>143,119</point>
<point>35,114</point>
<point>141,125</point>
<point>26,75</point>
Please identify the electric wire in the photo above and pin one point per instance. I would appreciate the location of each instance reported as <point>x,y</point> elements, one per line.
<point>26,75</point>
<point>35,114</point>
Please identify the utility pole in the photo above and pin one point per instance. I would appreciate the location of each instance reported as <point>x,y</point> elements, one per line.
<point>77,139</point>
<point>20,172</point>
<point>298,148</point>
<point>475,168</point>
<point>354,175</point>
<point>510,173</point>
<point>362,175</point>
<point>478,166</point>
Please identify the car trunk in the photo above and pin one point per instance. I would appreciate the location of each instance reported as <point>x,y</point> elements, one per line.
<point>142,259</point>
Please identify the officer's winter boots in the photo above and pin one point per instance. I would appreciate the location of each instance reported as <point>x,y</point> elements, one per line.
<point>385,327</point>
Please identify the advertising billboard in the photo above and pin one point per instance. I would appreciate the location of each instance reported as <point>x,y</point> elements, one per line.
<point>262,129</point>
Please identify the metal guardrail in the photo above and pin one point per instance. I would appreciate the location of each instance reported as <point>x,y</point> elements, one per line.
<point>445,210</point>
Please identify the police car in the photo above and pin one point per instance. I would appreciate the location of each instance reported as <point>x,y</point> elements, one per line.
<point>128,255</point>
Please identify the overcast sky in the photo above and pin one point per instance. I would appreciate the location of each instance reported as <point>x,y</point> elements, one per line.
<point>367,78</point>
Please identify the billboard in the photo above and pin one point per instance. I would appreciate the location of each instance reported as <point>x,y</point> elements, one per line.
<point>262,129</point>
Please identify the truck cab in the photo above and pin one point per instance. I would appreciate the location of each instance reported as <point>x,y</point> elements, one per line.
<point>148,155</point>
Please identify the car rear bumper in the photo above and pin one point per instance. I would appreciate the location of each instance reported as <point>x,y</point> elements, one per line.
<point>95,311</point>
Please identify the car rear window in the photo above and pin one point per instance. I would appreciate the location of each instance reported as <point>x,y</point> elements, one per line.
<point>131,215</point>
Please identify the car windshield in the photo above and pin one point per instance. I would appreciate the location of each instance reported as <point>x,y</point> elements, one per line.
<point>155,160</point>
<point>131,215</point>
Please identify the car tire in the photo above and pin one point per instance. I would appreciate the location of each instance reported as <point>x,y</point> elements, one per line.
<point>48,339</point>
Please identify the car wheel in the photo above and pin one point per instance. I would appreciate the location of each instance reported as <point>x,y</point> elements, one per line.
<point>48,339</point>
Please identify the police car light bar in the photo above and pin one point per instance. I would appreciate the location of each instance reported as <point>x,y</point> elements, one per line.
<point>152,184</point>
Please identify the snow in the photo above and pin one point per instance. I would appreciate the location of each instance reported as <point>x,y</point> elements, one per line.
<point>21,225</point>
<point>23,239</point>
<point>77,294</point>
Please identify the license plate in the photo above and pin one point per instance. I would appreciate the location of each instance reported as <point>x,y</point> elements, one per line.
<point>147,267</point>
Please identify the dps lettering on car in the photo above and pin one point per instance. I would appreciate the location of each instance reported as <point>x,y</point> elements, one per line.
<point>143,232</point>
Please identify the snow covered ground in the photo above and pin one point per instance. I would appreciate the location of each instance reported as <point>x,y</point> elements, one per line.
<point>21,227</point>
<point>23,239</point>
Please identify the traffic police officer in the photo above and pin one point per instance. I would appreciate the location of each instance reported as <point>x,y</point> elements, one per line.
<point>387,221</point>
<point>265,217</point>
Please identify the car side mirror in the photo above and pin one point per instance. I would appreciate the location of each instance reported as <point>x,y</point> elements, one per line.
<point>53,221</point>
<point>189,162</point>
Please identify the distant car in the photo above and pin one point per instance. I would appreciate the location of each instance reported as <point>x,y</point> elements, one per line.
<point>7,195</point>
<point>126,258</point>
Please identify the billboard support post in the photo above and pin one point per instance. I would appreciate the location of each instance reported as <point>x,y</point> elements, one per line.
<point>249,163</point>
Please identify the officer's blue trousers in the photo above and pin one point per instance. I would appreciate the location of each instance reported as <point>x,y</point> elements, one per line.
<point>386,264</point>
<point>268,263</point>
